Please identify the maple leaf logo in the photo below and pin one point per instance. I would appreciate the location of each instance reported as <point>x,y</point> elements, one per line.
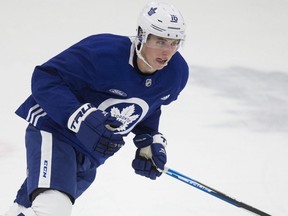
<point>126,116</point>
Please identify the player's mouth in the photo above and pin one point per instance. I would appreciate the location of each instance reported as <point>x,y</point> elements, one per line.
<point>161,61</point>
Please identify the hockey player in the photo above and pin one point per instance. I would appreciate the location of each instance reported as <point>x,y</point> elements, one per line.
<point>86,99</point>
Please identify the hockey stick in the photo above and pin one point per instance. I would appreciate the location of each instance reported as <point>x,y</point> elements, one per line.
<point>212,191</point>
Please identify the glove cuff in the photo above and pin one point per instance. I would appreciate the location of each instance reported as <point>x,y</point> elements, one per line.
<point>144,140</point>
<point>75,120</point>
<point>147,151</point>
<point>160,139</point>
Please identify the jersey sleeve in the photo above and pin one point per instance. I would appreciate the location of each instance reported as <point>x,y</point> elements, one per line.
<point>55,83</point>
<point>54,96</point>
<point>180,77</point>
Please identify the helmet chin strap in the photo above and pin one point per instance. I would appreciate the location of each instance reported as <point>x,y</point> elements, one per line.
<point>140,56</point>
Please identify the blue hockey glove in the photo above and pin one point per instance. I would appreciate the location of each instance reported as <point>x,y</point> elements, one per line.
<point>94,129</point>
<point>145,167</point>
<point>150,156</point>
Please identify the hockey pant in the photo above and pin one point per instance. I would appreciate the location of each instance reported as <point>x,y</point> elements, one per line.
<point>52,163</point>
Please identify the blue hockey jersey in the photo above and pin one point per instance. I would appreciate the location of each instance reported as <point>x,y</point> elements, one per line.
<point>101,70</point>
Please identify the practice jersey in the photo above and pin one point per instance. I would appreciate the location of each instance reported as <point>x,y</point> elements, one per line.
<point>102,70</point>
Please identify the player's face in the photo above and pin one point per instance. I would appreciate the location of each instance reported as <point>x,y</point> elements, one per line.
<point>158,51</point>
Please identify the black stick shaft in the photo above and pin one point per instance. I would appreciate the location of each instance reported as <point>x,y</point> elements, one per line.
<point>213,192</point>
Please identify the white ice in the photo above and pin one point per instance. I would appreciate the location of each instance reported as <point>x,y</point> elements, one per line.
<point>228,129</point>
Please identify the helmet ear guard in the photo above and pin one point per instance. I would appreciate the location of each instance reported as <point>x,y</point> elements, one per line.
<point>141,38</point>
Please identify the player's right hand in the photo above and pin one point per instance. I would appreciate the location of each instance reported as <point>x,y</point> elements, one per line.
<point>93,129</point>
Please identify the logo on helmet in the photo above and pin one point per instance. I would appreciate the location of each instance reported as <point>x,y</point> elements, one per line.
<point>152,11</point>
<point>174,18</point>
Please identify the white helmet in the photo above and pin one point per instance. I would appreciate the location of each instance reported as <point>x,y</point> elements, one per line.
<point>160,19</point>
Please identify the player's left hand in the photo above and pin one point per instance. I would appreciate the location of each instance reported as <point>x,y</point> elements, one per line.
<point>96,130</point>
<point>150,157</point>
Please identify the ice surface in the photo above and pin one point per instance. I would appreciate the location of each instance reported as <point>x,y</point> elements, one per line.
<point>228,129</point>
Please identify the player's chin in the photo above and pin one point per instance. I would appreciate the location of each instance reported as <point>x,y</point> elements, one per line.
<point>160,65</point>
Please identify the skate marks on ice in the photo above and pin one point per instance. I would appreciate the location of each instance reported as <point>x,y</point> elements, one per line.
<point>261,97</point>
